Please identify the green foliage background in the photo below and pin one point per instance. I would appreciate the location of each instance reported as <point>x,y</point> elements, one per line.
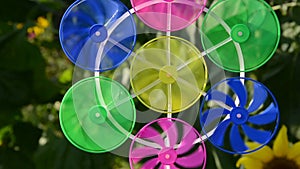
<point>35,74</point>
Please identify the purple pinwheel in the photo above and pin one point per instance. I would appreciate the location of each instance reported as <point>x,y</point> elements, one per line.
<point>167,143</point>
<point>245,110</point>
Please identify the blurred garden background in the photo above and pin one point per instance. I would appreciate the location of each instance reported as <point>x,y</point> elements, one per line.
<point>35,74</point>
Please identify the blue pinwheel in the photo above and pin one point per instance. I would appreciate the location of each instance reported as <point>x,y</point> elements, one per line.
<point>97,35</point>
<point>240,114</point>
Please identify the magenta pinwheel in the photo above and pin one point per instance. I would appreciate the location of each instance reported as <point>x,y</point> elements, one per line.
<point>168,143</point>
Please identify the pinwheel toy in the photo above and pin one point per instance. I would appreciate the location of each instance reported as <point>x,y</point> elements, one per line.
<point>89,111</point>
<point>251,25</point>
<point>91,32</point>
<point>173,144</point>
<point>169,74</point>
<point>162,80</point>
<point>237,115</point>
<point>168,15</point>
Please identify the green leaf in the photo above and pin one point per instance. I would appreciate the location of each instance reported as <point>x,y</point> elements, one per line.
<point>27,136</point>
<point>51,5</point>
<point>17,54</point>
<point>10,159</point>
<point>6,31</point>
<point>285,87</point>
<point>8,114</point>
<point>60,154</point>
<point>15,89</point>
<point>15,10</point>
<point>23,68</point>
<point>294,13</point>
<point>66,76</point>
<point>6,136</point>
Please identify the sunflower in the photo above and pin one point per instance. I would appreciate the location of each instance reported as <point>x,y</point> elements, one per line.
<point>283,156</point>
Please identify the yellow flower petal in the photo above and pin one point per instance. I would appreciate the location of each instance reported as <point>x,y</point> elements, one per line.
<point>29,30</point>
<point>281,143</point>
<point>42,22</point>
<point>294,151</point>
<point>265,154</point>
<point>297,160</point>
<point>37,30</point>
<point>249,163</point>
<point>19,26</point>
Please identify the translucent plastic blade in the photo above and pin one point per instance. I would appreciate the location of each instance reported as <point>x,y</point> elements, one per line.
<point>185,92</point>
<point>80,33</point>
<point>87,124</point>
<point>143,152</point>
<point>150,164</point>
<point>188,147</point>
<point>259,125</point>
<point>236,141</point>
<point>168,15</point>
<point>218,136</point>
<point>152,134</point>
<point>193,160</point>
<point>170,129</point>
<point>238,87</point>
<point>148,75</point>
<point>77,44</point>
<point>81,138</point>
<point>213,114</point>
<point>100,9</point>
<point>144,61</point>
<point>97,21</point>
<point>259,97</point>
<point>220,96</point>
<point>111,132</point>
<point>187,140</point>
<point>83,16</point>
<point>269,115</point>
<point>251,23</point>
<point>172,166</point>
<point>87,52</point>
<point>160,59</point>
<point>256,135</point>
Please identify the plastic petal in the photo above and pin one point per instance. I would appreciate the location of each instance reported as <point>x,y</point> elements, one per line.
<point>150,164</point>
<point>259,97</point>
<point>257,135</point>
<point>143,152</point>
<point>213,114</point>
<point>194,160</point>
<point>267,116</point>
<point>150,133</point>
<point>187,140</point>
<point>218,136</point>
<point>238,87</point>
<point>237,143</point>
<point>171,131</point>
<point>222,97</point>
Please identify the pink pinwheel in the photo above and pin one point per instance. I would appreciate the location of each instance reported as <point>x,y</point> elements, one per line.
<point>167,143</point>
<point>168,15</point>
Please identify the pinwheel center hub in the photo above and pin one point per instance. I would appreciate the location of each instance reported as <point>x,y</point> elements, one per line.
<point>98,33</point>
<point>239,115</point>
<point>168,74</point>
<point>167,156</point>
<point>169,0</point>
<point>97,114</point>
<point>240,33</point>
